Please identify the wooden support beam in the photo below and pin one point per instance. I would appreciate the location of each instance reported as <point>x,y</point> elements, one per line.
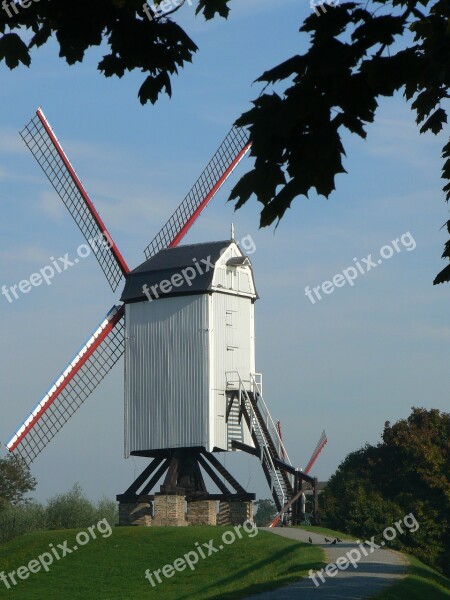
<point>146,473</point>
<point>245,448</point>
<point>316,499</point>
<point>225,474</point>
<point>222,487</point>
<point>159,473</point>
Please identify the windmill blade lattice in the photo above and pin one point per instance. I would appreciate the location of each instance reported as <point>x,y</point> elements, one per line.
<point>43,143</point>
<point>317,450</point>
<point>80,378</point>
<point>232,150</point>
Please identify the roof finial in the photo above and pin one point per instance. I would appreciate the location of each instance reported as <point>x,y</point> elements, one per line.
<point>232,232</point>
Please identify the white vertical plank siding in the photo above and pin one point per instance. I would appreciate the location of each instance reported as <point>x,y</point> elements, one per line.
<point>167,377</point>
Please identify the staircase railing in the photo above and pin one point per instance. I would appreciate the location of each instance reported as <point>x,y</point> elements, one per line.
<point>256,383</point>
<point>236,382</point>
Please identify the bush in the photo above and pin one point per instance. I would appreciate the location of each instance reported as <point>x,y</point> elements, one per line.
<point>21,519</point>
<point>71,510</point>
<point>265,512</point>
<point>106,509</point>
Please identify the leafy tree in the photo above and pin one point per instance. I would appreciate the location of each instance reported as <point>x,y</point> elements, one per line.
<point>408,472</point>
<point>106,509</point>
<point>16,481</point>
<point>70,510</point>
<point>265,512</point>
<point>358,53</point>
<point>157,47</point>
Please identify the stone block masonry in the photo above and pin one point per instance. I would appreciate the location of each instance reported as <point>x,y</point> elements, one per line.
<point>202,512</point>
<point>135,513</point>
<point>169,510</point>
<point>235,513</point>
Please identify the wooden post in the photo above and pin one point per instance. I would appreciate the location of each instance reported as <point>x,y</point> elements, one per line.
<point>295,511</point>
<point>316,501</point>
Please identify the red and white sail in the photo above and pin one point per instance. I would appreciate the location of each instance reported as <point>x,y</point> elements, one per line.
<point>227,157</point>
<point>79,379</point>
<point>48,152</point>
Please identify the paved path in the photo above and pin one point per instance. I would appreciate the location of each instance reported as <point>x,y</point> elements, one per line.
<point>374,572</point>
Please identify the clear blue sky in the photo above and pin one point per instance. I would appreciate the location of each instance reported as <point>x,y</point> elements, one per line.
<point>363,355</point>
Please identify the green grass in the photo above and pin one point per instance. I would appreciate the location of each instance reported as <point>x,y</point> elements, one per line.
<point>113,568</point>
<point>421,583</point>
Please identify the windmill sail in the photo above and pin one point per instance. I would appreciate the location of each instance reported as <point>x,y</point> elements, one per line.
<point>230,153</point>
<point>80,378</point>
<point>317,450</point>
<point>43,143</point>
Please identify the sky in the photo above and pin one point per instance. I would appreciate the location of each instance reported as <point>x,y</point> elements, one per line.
<point>363,354</point>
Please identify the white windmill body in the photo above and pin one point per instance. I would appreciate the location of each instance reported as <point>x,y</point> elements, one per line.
<point>185,344</point>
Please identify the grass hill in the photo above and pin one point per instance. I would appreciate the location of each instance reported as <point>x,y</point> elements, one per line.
<point>113,568</point>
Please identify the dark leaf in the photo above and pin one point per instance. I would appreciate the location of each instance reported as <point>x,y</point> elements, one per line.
<point>153,86</point>
<point>446,170</point>
<point>281,202</point>
<point>379,30</point>
<point>435,122</point>
<point>41,36</point>
<point>446,253</point>
<point>443,276</point>
<point>210,8</point>
<point>296,64</point>
<point>14,51</point>
<point>352,123</point>
<point>111,65</point>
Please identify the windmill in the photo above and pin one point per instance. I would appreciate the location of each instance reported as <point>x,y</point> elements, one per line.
<point>175,414</point>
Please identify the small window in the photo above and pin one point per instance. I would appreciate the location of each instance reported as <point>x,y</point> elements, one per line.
<point>238,261</point>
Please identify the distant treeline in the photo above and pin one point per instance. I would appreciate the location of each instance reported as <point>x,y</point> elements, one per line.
<point>71,510</point>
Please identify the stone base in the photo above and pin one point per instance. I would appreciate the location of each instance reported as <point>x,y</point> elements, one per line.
<point>202,512</point>
<point>135,513</point>
<point>235,513</point>
<point>169,510</point>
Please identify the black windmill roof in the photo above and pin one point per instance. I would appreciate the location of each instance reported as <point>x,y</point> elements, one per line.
<point>172,261</point>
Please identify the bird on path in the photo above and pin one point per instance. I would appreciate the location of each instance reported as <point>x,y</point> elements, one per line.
<point>310,540</point>
<point>327,540</point>
<point>339,540</point>
<point>333,542</point>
